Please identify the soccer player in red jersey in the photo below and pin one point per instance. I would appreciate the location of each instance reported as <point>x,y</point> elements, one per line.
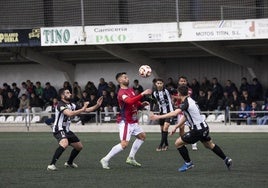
<point>127,121</point>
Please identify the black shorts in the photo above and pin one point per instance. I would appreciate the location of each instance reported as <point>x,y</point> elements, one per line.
<point>194,136</point>
<point>162,121</point>
<point>72,138</point>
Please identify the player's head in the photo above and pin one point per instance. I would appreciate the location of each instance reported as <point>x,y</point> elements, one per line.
<point>182,80</point>
<point>159,83</point>
<point>65,94</point>
<point>122,79</point>
<point>183,90</point>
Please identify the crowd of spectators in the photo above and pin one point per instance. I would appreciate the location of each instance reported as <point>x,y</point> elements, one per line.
<point>209,95</point>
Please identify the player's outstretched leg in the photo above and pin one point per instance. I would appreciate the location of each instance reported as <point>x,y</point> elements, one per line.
<point>105,160</point>
<point>56,156</point>
<point>188,164</point>
<point>135,147</point>
<point>218,151</point>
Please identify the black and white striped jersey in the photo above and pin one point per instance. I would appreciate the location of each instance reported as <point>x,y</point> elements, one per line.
<point>192,113</point>
<point>62,122</point>
<point>164,101</point>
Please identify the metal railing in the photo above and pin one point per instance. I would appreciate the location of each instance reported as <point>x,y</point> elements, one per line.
<point>27,119</point>
<point>230,118</point>
<point>31,118</point>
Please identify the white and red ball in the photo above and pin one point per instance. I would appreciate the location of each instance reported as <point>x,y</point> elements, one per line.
<point>145,71</point>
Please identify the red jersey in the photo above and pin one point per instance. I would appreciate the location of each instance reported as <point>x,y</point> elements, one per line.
<point>128,106</point>
<point>190,92</point>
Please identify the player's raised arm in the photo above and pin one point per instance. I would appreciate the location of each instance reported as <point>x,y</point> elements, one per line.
<point>70,113</point>
<point>96,106</point>
<point>168,115</point>
<point>132,100</point>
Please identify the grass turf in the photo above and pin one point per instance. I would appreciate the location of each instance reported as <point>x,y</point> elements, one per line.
<point>25,156</point>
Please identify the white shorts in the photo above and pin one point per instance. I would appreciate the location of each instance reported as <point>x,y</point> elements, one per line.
<point>126,130</point>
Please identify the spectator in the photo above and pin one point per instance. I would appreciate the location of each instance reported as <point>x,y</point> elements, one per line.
<point>77,92</point>
<point>137,86</point>
<point>202,100</point>
<point>30,88</point>
<point>256,90</point>
<point>243,113</point>
<point>171,84</point>
<point>236,99</point>
<point>39,90</point>
<point>230,87</point>
<point>253,116</point>
<point>5,90</point>
<point>35,104</point>
<point>205,84</point>
<point>23,89</point>
<point>225,102</point>
<point>195,89</point>
<point>112,105</point>
<point>211,102</point>
<point>67,85</point>
<point>102,86</point>
<point>11,103</point>
<point>15,89</point>
<point>49,94</point>
<point>217,89</point>
<point>244,85</point>
<point>105,103</point>
<point>246,97</point>
<point>24,105</point>
<point>49,121</point>
<point>111,87</point>
<point>264,119</point>
<point>91,89</point>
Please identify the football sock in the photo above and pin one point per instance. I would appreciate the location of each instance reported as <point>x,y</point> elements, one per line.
<point>73,155</point>
<point>165,135</point>
<point>57,154</point>
<point>116,149</point>
<point>135,147</point>
<point>185,154</point>
<point>219,152</point>
<point>162,139</point>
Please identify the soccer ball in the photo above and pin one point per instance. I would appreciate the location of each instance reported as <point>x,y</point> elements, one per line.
<point>145,71</point>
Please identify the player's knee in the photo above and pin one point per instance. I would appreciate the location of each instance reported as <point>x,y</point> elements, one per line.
<point>64,143</point>
<point>178,143</point>
<point>142,136</point>
<point>124,144</point>
<point>209,145</point>
<point>80,147</point>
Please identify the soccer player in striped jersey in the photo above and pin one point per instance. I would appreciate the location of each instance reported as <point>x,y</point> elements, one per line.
<point>127,121</point>
<point>164,101</point>
<point>199,130</point>
<point>61,128</point>
<point>183,82</point>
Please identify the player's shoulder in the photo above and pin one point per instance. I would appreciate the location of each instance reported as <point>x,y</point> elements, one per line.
<point>61,106</point>
<point>61,103</point>
<point>126,91</point>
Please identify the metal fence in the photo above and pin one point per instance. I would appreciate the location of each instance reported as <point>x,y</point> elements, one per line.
<point>47,13</point>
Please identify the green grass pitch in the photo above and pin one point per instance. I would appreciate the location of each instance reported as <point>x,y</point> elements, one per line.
<point>25,156</point>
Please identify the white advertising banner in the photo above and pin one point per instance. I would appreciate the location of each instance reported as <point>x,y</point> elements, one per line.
<point>156,32</point>
<point>61,36</point>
